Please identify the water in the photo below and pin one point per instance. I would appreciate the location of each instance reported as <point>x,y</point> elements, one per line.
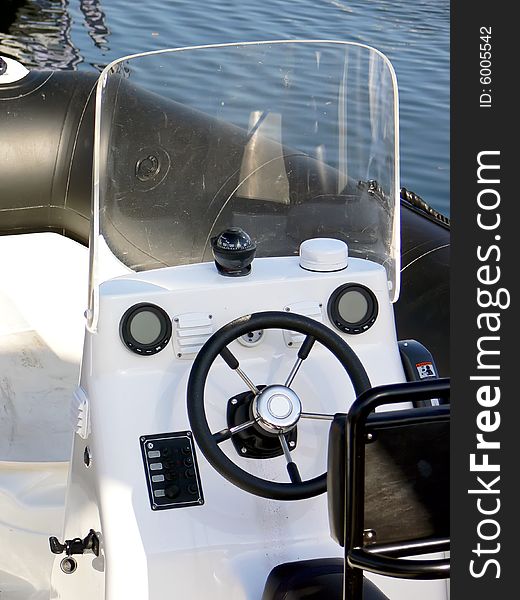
<point>414,34</point>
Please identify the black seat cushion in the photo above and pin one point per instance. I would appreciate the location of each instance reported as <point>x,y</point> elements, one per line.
<point>317,579</point>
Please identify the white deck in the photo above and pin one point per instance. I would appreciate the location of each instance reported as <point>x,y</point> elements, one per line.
<point>43,279</point>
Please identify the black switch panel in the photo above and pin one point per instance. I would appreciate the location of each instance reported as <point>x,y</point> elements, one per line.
<point>172,474</point>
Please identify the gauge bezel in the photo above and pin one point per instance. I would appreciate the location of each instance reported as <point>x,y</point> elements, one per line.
<point>357,327</point>
<point>134,345</point>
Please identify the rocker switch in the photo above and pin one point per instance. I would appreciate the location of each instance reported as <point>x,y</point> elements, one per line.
<point>171,471</point>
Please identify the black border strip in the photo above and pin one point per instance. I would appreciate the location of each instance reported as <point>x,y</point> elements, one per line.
<point>484,131</point>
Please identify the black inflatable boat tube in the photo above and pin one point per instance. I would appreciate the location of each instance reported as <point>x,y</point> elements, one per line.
<point>46,137</point>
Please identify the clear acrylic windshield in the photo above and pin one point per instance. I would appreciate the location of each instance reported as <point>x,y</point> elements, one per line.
<point>288,140</point>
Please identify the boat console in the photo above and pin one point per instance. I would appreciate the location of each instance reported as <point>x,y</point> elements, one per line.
<point>227,415</point>
<point>241,370</point>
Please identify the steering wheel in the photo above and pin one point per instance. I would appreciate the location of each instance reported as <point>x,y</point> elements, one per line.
<point>276,409</point>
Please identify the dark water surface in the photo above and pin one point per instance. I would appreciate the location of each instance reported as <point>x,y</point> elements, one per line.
<point>88,34</point>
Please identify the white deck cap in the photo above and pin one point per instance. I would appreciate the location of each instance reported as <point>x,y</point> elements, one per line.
<point>323,255</point>
<point>14,71</point>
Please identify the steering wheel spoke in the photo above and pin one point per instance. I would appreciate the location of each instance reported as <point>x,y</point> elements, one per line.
<point>292,468</point>
<point>316,416</point>
<point>232,363</point>
<point>225,434</point>
<point>303,353</point>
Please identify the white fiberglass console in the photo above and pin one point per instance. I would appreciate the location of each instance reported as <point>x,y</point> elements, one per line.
<point>130,396</point>
<point>201,446</point>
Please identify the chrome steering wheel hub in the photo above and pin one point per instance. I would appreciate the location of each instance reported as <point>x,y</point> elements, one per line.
<point>277,409</point>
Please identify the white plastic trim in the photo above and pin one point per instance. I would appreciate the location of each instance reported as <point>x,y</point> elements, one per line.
<point>80,413</point>
<point>15,71</point>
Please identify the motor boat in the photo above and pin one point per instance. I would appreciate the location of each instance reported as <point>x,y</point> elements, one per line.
<point>224,332</point>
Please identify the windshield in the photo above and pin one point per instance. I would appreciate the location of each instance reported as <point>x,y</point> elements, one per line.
<point>287,140</point>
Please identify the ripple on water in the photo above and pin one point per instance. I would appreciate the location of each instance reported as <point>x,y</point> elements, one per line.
<point>88,34</point>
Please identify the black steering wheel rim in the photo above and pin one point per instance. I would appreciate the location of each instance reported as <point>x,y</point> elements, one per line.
<point>197,383</point>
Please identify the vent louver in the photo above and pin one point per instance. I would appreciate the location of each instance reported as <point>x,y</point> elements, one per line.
<point>191,332</point>
<point>307,309</point>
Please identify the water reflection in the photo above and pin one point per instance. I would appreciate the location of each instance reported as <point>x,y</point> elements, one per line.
<point>88,34</point>
<point>38,32</point>
<point>95,22</point>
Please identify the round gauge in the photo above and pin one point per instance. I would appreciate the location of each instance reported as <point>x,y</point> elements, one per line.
<point>352,308</point>
<point>145,329</point>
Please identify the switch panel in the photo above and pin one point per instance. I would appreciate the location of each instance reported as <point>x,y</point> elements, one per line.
<point>171,470</point>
